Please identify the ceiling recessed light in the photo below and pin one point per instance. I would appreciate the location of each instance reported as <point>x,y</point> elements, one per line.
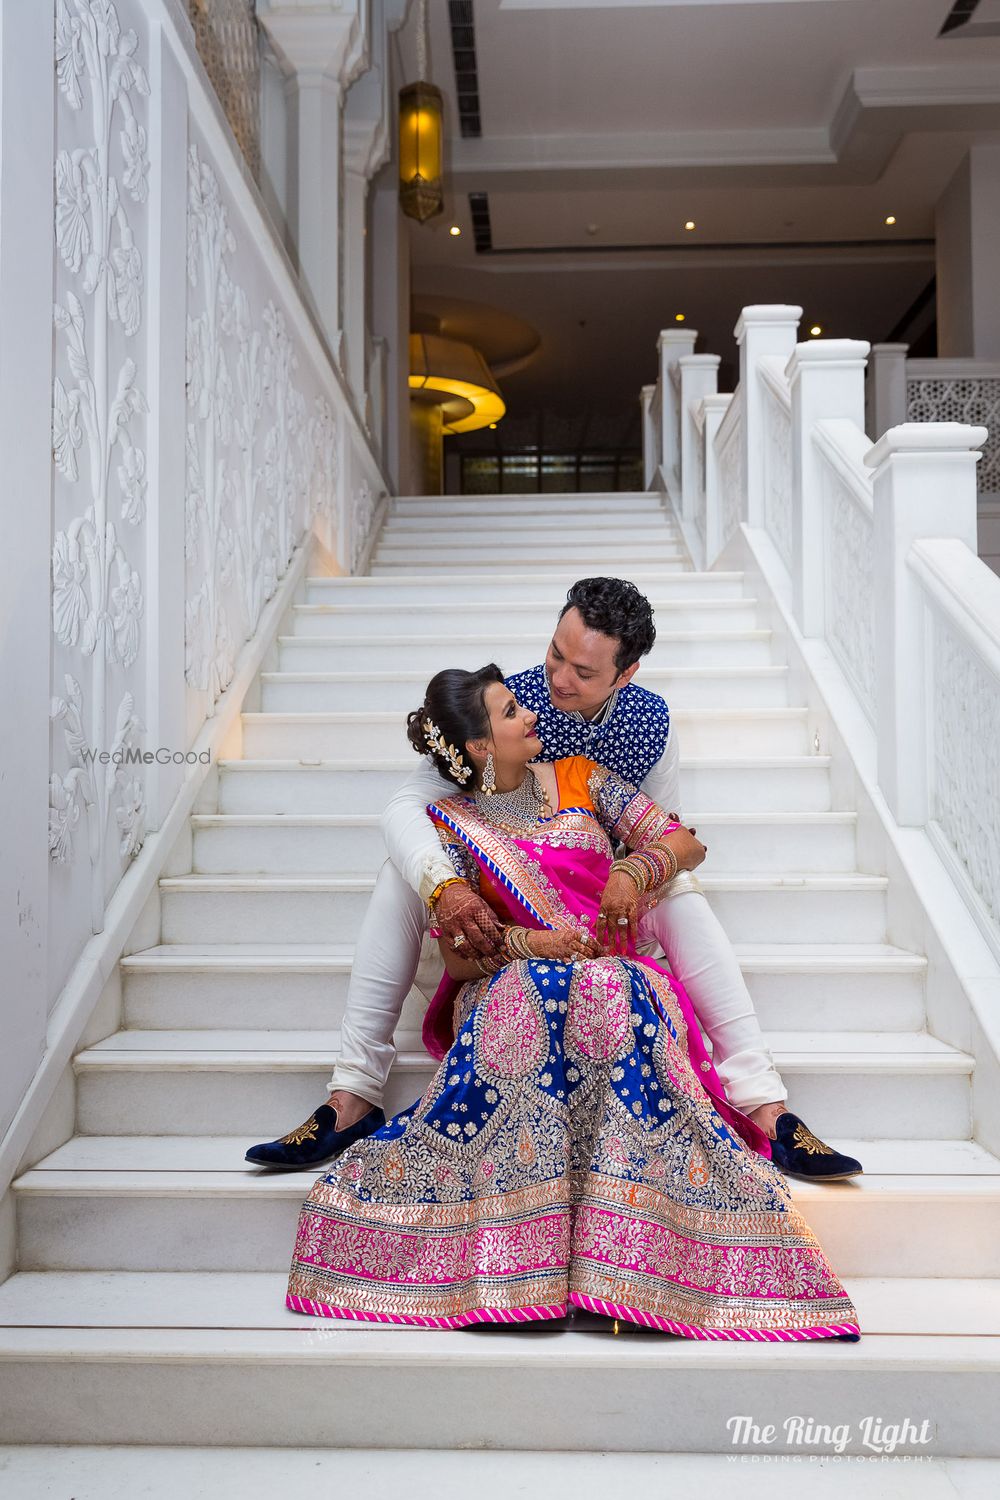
<point>690,224</point>
<point>492,425</point>
<point>815,330</point>
<point>454,229</point>
<point>679,317</point>
<point>890,218</point>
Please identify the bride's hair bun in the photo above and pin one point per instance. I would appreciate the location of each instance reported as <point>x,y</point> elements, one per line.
<point>453,711</point>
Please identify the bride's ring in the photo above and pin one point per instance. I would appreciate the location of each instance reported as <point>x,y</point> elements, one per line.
<point>623,921</point>
<point>458,940</point>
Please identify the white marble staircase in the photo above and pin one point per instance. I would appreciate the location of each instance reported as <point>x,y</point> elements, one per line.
<point>148,1307</point>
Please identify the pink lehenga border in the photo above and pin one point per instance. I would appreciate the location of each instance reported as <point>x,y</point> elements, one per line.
<point>538,1313</point>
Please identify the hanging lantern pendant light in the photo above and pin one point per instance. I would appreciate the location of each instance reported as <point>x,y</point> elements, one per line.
<point>421,138</point>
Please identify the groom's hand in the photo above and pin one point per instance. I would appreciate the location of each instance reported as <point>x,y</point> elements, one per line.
<point>459,911</point>
<point>687,850</point>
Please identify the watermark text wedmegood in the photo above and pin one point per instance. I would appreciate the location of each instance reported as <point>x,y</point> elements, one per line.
<point>131,755</point>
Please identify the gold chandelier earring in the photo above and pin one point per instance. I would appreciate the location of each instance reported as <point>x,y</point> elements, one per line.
<point>489,776</point>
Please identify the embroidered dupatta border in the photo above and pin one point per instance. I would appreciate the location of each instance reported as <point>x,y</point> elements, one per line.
<point>504,850</point>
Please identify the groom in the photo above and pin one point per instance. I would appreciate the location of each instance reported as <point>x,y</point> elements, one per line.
<point>587,705</point>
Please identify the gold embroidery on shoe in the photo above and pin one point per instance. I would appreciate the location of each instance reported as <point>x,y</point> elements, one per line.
<point>806,1141</point>
<point>301,1133</point>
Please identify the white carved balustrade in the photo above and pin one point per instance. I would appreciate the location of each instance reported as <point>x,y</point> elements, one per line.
<point>938,390</point>
<point>713,413</point>
<point>826,383</point>
<point>730,488</point>
<point>699,377</point>
<point>924,486</point>
<point>767,330</point>
<point>961,734</point>
<point>879,547</point>
<point>776,452</point>
<point>673,345</point>
<point>200,432</point>
<point>649,401</point>
<point>835,586</point>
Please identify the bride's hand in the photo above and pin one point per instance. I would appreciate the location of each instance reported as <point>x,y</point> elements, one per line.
<point>460,913</point>
<point>617,919</point>
<point>563,944</point>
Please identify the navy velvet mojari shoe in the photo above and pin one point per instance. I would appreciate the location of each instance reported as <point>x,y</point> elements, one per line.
<point>799,1153</point>
<point>317,1141</point>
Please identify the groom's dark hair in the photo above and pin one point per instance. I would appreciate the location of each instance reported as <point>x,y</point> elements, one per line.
<point>615,607</point>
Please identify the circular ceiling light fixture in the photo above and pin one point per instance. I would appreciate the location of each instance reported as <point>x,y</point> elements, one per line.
<point>690,224</point>
<point>679,317</point>
<point>890,218</point>
<point>454,375</point>
<point>455,230</point>
<point>816,330</point>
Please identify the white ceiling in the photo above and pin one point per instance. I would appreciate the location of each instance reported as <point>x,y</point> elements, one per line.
<point>781,127</point>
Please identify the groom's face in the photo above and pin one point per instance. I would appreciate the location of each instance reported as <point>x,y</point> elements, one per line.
<point>580,666</point>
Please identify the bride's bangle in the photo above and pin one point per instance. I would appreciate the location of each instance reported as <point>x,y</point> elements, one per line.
<point>653,866</point>
<point>515,943</point>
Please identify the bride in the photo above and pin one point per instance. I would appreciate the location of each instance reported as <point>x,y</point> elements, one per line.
<point>575,1146</point>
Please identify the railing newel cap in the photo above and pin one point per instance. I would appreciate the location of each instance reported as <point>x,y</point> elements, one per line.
<point>926,437</point>
<point>700,361</point>
<point>774,314</point>
<point>676,336</point>
<point>837,353</point>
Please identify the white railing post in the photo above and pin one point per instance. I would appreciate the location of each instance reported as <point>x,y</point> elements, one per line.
<point>924,486</point>
<point>715,409</point>
<point>886,395</point>
<point>760,330</point>
<point>672,345</point>
<point>699,377</point>
<point>827,380</point>
<point>650,458</point>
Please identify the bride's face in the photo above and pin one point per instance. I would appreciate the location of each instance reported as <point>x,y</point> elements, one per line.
<point>512,730</point>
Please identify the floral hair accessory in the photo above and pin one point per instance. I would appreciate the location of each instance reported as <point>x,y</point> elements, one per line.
<point>432,734</point>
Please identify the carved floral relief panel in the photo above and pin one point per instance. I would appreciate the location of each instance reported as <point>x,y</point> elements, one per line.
<point>262,442</point>
<point>101,188</point>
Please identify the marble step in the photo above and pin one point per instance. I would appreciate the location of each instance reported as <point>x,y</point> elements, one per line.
<point>430,654</point>
<point>787,784</point>
<point>335,844</point>
<point>514,539</point>
<point>347,621</point>
<point>513,510</point>
<point>176,986</point>
<point>217,1359</point>
<point>232,1473</point>
<point>260,1083</point>
<point>799,908</point>
<point>152,1203</point>
<point>512,587</point>
<point>623,564</point>
<point>556,501</point>
<point>447,550</point>
<point>705,732</point>
<point>695,688</point>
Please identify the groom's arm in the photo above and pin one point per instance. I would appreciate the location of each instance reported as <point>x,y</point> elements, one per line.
<point>662,783</point>
<point>410,837</point>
